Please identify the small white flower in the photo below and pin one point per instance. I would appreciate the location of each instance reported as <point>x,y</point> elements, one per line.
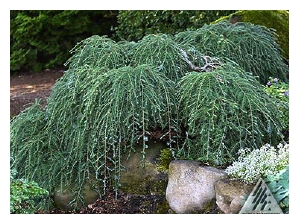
<point>259,162</point>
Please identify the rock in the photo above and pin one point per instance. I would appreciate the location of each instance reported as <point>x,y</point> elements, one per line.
<point>231,195</point>
<point>144,179</point>
<point>191,186</point>
<point>63,196</point>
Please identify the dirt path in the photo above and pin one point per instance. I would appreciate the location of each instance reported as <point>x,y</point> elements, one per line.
<point>25,88</point>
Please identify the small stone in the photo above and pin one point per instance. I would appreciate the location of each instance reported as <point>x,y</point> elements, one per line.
<point>231,195</point>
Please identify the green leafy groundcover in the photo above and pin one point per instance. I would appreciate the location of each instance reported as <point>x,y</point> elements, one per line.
<point>117,94</point>
<point>25,196</point>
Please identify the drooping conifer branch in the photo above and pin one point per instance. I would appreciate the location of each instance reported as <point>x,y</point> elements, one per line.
<point>210,63</point>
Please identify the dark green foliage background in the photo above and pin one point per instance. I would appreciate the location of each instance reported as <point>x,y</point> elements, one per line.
<point>41,39</point>
<point>135,24</point>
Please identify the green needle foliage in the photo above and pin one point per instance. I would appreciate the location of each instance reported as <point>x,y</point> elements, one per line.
<point>28,143</point>
<point>223,110</point>
<point>253,47</point>
<point>276,19</point>
<point>163,52</point>
<point>97,51</point>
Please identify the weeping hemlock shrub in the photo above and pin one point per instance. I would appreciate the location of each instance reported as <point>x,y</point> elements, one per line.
<point>114,95</point>
<point>253,47</point>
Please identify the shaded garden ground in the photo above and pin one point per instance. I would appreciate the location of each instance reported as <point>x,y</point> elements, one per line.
<point>25,88</point>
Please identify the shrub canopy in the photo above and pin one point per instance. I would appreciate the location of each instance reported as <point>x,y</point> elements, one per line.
<point>41,39</point>
<point>163,52</point>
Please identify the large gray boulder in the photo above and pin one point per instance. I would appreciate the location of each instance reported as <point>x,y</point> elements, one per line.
<point>231,195</point>
<point>190,186</point>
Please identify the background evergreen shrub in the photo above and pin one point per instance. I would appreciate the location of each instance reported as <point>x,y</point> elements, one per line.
<point>41,39</point>
<point>133,25</point>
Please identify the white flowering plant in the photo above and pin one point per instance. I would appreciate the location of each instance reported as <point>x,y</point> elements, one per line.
<point>262,162</point>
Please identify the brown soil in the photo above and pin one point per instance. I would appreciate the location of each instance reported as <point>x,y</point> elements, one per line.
<point>25,88</point>
<point>124,204</point>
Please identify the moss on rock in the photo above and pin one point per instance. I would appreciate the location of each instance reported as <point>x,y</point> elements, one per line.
<point>164,159</point>
<point>142,177</point>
